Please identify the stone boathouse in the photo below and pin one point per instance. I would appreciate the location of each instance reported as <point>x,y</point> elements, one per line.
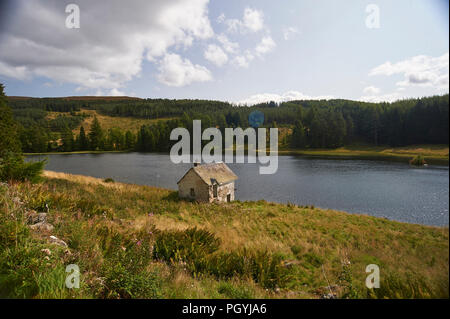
<point>208,183</point>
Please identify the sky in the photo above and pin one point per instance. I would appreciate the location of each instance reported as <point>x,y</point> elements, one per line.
<point>241,51</point>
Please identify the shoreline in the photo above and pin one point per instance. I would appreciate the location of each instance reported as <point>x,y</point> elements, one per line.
<point>86,179</point>
<point>382,154</point>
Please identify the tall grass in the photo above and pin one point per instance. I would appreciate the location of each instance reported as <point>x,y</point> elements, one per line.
<point>140,242</point>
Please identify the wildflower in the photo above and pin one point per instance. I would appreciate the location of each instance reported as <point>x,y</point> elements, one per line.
<point>139,243</point>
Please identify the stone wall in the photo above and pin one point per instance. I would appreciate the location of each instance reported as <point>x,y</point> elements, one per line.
<point>192,180</point>
<point>222,192</point>
<point>203,192</point>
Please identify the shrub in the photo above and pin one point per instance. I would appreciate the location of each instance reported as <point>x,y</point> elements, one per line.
<point>235,292</point>
<point>410,286</point>
<point>13,167</point>
<point>313,259</point>
<point>108,180</point>
<point>90,208</point>
<point>187,245</point>
<point>263,267</point>
<point>297,249</point>
<point>418,160</point>
<point>20,260</point>
<point>126,269</point>
<point>38,199</point>
<point>120,282</point>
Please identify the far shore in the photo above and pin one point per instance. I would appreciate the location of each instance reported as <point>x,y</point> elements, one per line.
<point>434,154</point>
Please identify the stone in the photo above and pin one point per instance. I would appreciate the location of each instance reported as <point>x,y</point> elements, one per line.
<point>33,217</point>
<point>290,263</point>
<point>55,240</point>
<point>42,226</point>
<point>328,296</point>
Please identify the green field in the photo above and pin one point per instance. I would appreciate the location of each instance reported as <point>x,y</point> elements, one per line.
<point>434,154</point>
<point>135,241</point>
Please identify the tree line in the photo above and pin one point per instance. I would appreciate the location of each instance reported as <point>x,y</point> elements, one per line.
<point>312,124</point>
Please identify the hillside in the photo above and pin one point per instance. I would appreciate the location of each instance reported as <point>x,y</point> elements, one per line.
<point>53,124</point>
<point>138,241</point>
<point>78,98</point>
<point>107,122</point>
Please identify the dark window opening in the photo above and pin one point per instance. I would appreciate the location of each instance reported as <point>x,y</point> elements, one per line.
<point>192,192</point>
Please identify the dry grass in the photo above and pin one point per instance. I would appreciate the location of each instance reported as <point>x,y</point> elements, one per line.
<point>309,238</point>
<point>108,122</point>
<point>438,154</point>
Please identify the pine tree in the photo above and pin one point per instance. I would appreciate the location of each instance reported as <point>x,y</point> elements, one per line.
<point>96,135</point>
<point>9,137</point>
<point>298,135</point>
<point>83,142</point>
<point>67,140</point>
<point>129,140</point>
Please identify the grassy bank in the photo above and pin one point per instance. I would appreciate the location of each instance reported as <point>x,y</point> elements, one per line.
<point>75,152</point>
<point>139,241</point>
<point>434,154</point>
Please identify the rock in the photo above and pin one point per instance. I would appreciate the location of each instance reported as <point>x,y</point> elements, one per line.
<point>42,226</point>
<point>328,296</point>
<point>55,240</point>
<point>290,263</point>
<point>33,217</point>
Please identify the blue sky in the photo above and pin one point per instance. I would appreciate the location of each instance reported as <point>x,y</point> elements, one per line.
<point>239,51</point>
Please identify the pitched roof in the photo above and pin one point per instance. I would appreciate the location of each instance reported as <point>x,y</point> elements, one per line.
<point>214,172</point>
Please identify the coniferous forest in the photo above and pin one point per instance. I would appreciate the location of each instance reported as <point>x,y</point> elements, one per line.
<point>309,124</point>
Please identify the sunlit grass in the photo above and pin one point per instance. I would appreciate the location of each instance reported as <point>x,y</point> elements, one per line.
<point>101,220</point>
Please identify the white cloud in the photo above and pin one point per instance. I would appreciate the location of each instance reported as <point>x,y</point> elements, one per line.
<point>116,92</point>
<point>229,46</point>
<point>290,32</point>
<point>265,46</point>
<point>390,97</point>
<point>176,71</point>
<point>287,96</point>
<point>215,55</point>
<point>252,21</point>
<point>221,18</point>
<point>243,61</point>
<point>233,25</point>
<point>16,72</point>
<point>37,43</point>
<point>371,90</point>
<point>421,70</point>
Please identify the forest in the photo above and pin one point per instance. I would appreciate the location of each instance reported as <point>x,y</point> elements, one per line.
<point>309,123</point>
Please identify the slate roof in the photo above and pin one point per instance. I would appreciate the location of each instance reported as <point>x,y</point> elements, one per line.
<point>214,172</point>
